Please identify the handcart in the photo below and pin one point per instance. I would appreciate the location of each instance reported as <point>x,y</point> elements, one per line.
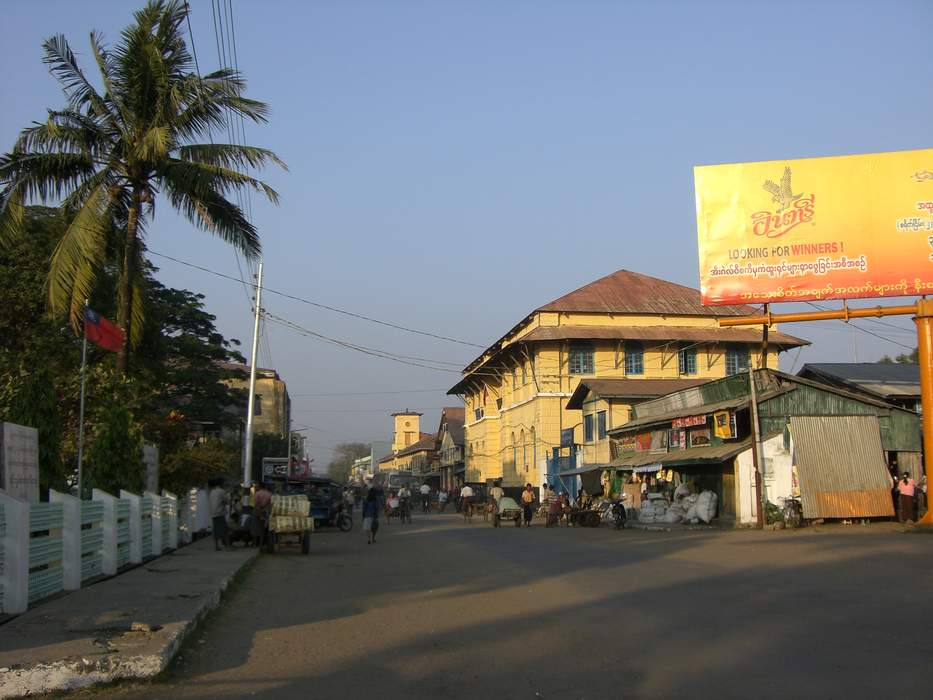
<point>290,522</point>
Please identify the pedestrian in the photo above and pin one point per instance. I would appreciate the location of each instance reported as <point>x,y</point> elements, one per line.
<point>528,502</point>
<point>466,501</point>
<point>496,492</point>
<point>262,509</point>
<point>371,516</point>
<point>218,500</point>
<point>349,500</point>
<point>906,488</point>
<point>442,499</point>
<point>546,493</point>
<point>425,491</point>
<point>922,496</point>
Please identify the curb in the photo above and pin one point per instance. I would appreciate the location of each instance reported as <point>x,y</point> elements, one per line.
<point>75,673</point>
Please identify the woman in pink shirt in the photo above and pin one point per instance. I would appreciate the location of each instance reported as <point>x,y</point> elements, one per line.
<point>906,487</point>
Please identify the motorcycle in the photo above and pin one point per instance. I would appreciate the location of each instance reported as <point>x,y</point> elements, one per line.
<point>618,514</point>
<point>341,519</point>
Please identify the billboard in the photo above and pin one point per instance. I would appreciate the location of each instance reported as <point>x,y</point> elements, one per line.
<point>846,227</point>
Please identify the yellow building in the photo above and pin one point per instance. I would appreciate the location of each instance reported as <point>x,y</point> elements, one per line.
<point>623,326</point>
<point>412,450</point>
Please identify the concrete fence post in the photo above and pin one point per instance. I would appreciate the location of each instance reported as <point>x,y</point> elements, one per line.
<point>136,537</point>
<point>156,515</point>
<point>14,554</point>
<point>109,553</point>
<point>172,520</point>
<point>71,538</point>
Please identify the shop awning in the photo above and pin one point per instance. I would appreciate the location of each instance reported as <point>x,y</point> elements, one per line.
<point>584,470</point>
<point>710,454</point>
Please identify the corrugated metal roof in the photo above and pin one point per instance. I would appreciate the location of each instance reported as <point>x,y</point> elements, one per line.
<point>883,380</point>
<point>680,413</point>
<point>713,334</point>
<point>628,388</point>
<point>627,292</point>
<point>694,455</point>
<point>841,467</point>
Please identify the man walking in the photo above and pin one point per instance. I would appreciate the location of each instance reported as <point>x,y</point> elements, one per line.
<point>217,500</point>
<point>528,502</point>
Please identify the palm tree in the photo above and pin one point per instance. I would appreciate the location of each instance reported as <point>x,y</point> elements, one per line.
<point>108,154</point>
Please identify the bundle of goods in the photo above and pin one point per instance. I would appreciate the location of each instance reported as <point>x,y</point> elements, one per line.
<point>700,507</point>
<point>290,514</point>
<point>653,510</point>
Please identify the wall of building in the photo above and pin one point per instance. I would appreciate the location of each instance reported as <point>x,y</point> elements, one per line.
<point>529,387</point>
<point>777,478</point>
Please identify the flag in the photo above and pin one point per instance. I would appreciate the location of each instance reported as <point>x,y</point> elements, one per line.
<point>99,330</point>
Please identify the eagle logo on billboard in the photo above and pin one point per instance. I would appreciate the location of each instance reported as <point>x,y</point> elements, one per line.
<point>792,210</point>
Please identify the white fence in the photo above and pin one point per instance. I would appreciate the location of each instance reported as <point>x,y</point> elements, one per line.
<point>46,548</point>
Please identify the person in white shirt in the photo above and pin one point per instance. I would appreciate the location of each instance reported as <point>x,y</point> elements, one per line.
<point>442,500</point>
<point>466,497</point>
<point>496,492</point>
<point>218,501</point>
<point>425,491</point>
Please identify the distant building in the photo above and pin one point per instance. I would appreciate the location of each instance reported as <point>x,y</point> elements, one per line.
<point>412,450</point>
<point>895,383</point>
<point>450,447</point>
<point>272,407</point>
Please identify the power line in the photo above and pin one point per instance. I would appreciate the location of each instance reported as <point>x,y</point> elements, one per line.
<point>370,393</point>
<point>864,330</point>
<point>319,305</point>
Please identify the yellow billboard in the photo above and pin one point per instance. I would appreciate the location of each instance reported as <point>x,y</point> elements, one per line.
<point>846,227</point>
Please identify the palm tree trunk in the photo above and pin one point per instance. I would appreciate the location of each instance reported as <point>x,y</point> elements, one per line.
<point>125,290</point>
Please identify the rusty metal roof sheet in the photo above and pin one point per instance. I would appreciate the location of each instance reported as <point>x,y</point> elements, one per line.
<point>713,334</point>
<point>694,455</point>
<point>884,380</point>
<point>627,292</point>
<point>841,467</point>
<point>628,389</point>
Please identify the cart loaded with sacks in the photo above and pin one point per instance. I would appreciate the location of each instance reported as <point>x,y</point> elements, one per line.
<point>290,521</point>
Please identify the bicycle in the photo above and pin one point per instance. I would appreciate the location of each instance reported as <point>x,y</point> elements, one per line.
<point>792,512</point>
<point>467,509</point>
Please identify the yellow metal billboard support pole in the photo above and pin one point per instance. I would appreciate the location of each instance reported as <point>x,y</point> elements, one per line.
<point>922,312</point>
<point>924,322</point>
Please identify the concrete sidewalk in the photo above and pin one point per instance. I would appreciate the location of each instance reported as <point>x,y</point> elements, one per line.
<point>129,626</point>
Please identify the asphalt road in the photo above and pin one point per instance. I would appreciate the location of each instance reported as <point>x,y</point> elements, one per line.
<point>439,609</point>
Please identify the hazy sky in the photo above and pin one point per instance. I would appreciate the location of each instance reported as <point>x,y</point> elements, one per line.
<point>455,165</point>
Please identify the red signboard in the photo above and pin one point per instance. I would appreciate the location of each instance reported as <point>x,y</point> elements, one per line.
<point>688,421</point>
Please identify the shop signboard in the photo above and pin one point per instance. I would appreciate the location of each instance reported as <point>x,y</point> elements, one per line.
<point>724,424</point>
<point>688,421</point>
<point>643,442</point>
<point>566,437</point>
<point>626,443</point>
<point>677,439</point>
<point>699,437</point>
<point>275,467</point>
<point>845,227</point>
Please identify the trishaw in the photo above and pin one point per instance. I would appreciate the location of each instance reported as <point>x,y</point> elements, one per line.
<point>507,509</point>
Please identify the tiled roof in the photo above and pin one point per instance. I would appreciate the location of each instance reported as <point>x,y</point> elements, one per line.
<point>713,334</point>
<point>627,292</point>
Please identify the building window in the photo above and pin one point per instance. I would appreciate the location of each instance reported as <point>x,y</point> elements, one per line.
<point>581,359</point>
<point>736,360</point>
<point>588,427</point>
<point>477,413</point>
<point>499,404</point>
<point>601,425</point>
<point>688,360</point>
<point>514,379</point>
<point>634,358</point>
<point>524,451</point>
<point>257,405</point>
<point>524,375</point>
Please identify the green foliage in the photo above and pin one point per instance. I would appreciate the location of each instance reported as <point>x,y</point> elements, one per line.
<point>178,385</point>
<point>114,456</point>
<point>345,453</point>
<point>903,359</point>
<point>193,465</point>
<point>107,155</point>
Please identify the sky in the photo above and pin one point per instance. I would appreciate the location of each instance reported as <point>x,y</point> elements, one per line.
<point>452,166</point>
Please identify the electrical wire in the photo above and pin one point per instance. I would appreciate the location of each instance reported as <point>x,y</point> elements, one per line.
<point>864,330</point>
<point>370,393</point>
<point>319,305</point>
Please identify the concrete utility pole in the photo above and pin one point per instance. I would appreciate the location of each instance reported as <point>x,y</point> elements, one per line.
<point>248,448</point>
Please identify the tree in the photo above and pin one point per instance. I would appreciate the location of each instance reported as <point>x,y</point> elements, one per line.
<point>108,153</point>
<point>345,454</point>
<point>115,453</point>
<point>902,359</point>
<point>192,465</point>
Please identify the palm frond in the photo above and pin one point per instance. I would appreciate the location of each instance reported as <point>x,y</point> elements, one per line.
<point>229,155</point>
<point>64,66</point>
<point>81,252</point>
<point>11,216</point>
<point>205,178</point>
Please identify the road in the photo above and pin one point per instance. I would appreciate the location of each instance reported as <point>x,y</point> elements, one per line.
<point>440,609</point>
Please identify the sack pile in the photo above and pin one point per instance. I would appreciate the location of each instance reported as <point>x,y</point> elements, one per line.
<point>290,523</point>
<point>653,511</point>
<point>700,508</point>
<point>290,505</point>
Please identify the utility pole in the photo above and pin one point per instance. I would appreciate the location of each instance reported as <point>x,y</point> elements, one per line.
<point>248,448</point>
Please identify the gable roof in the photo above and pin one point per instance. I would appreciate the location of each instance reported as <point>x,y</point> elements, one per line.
<point>886,380</point>
<point>627,292</point>
<point>628,389</point>
<point>455,417</point>
<point>425,444</point>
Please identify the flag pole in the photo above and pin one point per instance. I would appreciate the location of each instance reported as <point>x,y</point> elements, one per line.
<point>81,405</point>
